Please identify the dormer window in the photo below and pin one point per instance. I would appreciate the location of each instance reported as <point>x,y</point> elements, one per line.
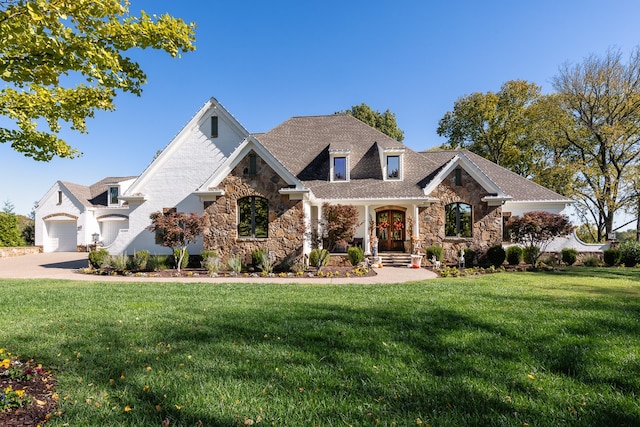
<point>113,196</point>
<point>339,165</point>
<point>393,165</point>
<point>339,168</point>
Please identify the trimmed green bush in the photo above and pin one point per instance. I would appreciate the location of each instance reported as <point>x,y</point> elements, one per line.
<point>469,257</point>
<point>99,258</point>
<point>316,254</point>
<point>355,255</point>
<point>612,256</point>
<point>569,256</point>
<point>438,251</point>
<point>496,255</point>
<point>514,255</point>
<point>257,256</point>
<point>630,253</point>
<point>530,254</point>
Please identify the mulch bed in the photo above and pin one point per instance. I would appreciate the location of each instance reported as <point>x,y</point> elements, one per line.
<point>195,273</point>
<point>40,390</point>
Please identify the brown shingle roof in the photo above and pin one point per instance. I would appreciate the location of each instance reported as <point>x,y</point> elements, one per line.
<point>512,184</point>
<point>302,145</point>
<point>95,194</point>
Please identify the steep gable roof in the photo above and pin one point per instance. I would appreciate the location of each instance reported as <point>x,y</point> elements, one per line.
<point>519,188</point>
<point>211,107</point>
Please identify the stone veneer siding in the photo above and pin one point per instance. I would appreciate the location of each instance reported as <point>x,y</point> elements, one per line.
<point>286,217</point>
<point>487,220</point>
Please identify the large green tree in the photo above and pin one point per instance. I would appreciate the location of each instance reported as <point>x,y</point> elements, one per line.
<point>503,127</point>
<point>601,98</point>
<point>384,122</point>
<point>62,60</point>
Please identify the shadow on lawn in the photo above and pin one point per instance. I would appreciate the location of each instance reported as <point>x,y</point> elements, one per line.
<point>452,366</point>
<point>615,273</point>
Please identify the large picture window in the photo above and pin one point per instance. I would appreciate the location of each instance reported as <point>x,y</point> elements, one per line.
<point>253,217</point>
<point>457,220</point>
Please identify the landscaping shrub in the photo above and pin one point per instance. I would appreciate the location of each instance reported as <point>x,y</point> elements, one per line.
<point>469,257</point>
<point>235,264</point>
<point>592,261</point>
<point>569,256</point>
<point>548,261</point>
<point>99,258</point>
<point>119,262</point>
<point>530,254</point>
<point>316,255</point>
<point>355,255</point>
<point>612,256</point>
<point>435,250</point>
<point>256,257</point>
<point>139,260</point>
<point>159,262</point>
<point>514,255</point>
<point>206,254</point>
<point>630,253</point>
<point>267,263</point>
<point>496,255</point>
<point>212,264</point>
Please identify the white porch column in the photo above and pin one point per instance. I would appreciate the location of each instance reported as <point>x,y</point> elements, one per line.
<point>367,232</point>
<point>416,222</point>
<point>318,223</point>
<point>306,245</point>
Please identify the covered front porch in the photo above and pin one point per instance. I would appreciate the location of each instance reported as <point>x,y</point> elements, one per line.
<point>382,227</point>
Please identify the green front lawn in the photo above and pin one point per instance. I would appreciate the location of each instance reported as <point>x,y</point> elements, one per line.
<point>538,349</point>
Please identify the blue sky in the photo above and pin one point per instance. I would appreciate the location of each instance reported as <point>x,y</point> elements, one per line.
<point>268,61</point>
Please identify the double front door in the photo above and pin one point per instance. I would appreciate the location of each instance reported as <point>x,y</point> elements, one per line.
<point>390,225</point>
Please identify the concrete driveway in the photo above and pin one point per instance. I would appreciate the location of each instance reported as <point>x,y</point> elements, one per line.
<point>64,265</point>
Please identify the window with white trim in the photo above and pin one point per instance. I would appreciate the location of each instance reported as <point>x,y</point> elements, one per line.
<point>113,196</point>
<point>392,164</point>
<point>339,166</point>
<point>393,167</point>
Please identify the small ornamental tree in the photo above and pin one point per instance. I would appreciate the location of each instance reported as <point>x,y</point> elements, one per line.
<point>538,229</point>
<point>339,224</point>
<point>176,230</point>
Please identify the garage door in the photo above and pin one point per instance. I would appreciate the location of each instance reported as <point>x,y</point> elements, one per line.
<point>109,230</point>
<point>62,236</point>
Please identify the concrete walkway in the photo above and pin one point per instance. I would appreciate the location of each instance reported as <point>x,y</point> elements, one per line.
<point>64,265</point>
